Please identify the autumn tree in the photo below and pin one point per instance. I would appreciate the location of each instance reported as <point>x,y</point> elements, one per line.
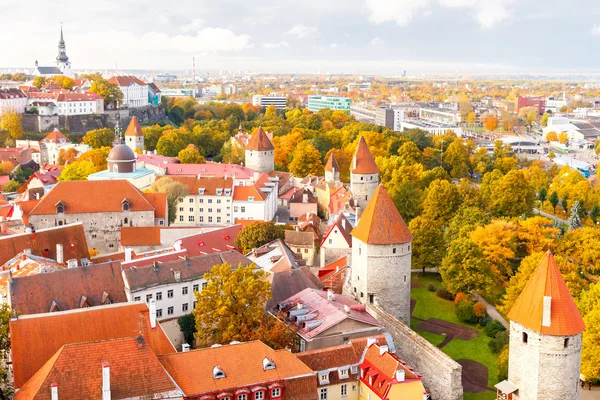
<point>465,268</point>
<point>471,118</point>
<point>97,156</point>
<point>174,191</point>
<point>6,167</point>
<point>553,199</point>
<point>11,186</point>
<point>232,154</point>
<point>409,154</point>
<point>544,119</point>
<point>110,92</point>
<point>426,249</point>
<point>441,200</point>
<point>466,220</point>
<point>552,137</point>
<point>77,171</point>
<point>67,156</point>
<point>498,243</point>
<point>257,234</point>
<point>170,144</point>
<point>536,234</point>
<point>456,157</point>
<point>97,138</point>
<point>589,307</point>
<point>306,160</point>
<point>491,123</point>
<point>190,155</point>
<point>563,137</point>
<point>39,81</point>
<point>511,195</point>
<point>6,387</point>
<point>11,122</point>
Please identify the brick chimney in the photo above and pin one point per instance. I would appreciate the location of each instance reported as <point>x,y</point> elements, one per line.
<point>105,381</point>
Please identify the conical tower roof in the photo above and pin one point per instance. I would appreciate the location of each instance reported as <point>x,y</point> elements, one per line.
<point>363,162</point>
<point>134,128</point>
<point>331,164</point>
<point>260,141</point>
<point>547,282</point>
<point>381,223</point>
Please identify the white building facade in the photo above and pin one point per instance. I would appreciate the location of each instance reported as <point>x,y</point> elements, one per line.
<point>135,91</point>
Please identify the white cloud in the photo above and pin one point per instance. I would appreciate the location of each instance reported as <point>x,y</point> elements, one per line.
<point>487,12</point>
<point>333,45</point>
<point>377,42</point>
<point>273,45</point>
<point>400,11</point>
<point>303,31</point>
<point>596,30</point>
<point>193,26</point>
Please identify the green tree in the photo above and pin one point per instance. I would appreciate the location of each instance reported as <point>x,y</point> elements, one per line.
<point>553,200</point>
<point>565,203</point>
<point>11,186</point>
<point>170,144</point>
<point>6,387</point>
<point>97,138</point>
<point>177,115</point>
<point>257,234</point>
<point>456,157</point>
<point>465,268</point>
<point>512,195</point>
<point>11,122</point>
<point>426,249</point>
<point>77,171</point>
<point>231,308</point>
<point>187,326</point>
<point>39,81</point>
<point>152,134</point>
<point>409,154</point>
<point>441,201</point>
<point>542,195</point>
<point>595,213</point>
<point>577,213</point>
<point>174,191</point>
<point>544,120</point>
<point>466,220</point>
<point>306,160</point>
<point>190,155</point>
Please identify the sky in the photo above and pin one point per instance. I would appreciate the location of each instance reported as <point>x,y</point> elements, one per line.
<point>307,36</point>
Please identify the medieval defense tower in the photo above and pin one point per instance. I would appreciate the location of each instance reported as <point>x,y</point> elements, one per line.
<point>364,174</point>
<point>134,137</point>
<point>260,153</point>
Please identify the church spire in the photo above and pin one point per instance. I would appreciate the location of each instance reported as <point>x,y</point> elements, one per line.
<point>62,49</point>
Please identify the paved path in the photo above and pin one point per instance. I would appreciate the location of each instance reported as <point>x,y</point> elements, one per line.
<point>552,217</point>
<point>585,394</point>
<point>491,310</point>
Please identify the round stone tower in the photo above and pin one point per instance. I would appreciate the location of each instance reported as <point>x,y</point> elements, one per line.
<point>381,257</point>
<point>260,153</point>
<point>364,174</point>
<point>545,339</point>
<point>134,137</point>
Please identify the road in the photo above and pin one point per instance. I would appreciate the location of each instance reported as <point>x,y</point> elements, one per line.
<point>550,216</point>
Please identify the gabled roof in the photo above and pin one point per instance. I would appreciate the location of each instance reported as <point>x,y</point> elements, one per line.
<point>341,225</point>
<point>528,310</point>
<point>81,197</point>
<point>134,128</point>
<point>285,284</point>
<point>260,141</point>
<point>299,238</point>
<point>339,199</point>
<point>43,243</point>
<point>76,369</point>
<point>193,370</point>
<point>381,223</point>
<point>68,289</point>
<point>210,184</point>
<point>274,256</point>
<point>298,196</point>
<point>159,202</point>
<point>331,164</point>
<point>363,162</point>
<point>126,80</point>
<point>24,265</point>
<point>36,338</point>
<point>333,275</point>
<point>323,314</point>
<point>54,137</point>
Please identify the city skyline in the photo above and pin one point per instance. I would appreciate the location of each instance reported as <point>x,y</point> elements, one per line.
<point>356,36</point>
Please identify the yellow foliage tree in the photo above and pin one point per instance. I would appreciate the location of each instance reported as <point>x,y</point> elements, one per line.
<point>552,136</point>
<point>306,160</point>
<point>563,137</point>
<point>498,242</point>
<point>491,123</point>
<point>11,122</point>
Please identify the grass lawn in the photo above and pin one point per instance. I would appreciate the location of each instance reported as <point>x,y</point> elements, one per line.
<point>432,338</point>
<point>429,305</point>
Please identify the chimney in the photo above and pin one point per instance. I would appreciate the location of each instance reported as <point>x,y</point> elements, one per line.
<point>383,349</point>
<point>128,254</point>
<point>330,295</point>
<point>54,391</point>
<point>400,375</point>
<point>185,348</point>
<point>547,311</point>
<point>152,314</point>
<point>72,263</point>
<point>105,381</point>
<point>344,223</point>
<point>59,253</point>
<point>305,198</point>
<point>155,152</point>
<point>371,340</point>
<point>177,245</point>
<point>27,252</point>
<point>347,309</point>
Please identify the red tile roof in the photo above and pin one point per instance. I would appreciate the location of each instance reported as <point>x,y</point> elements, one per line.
<point>333,275</point>
<point>528,310</point>
<point>343,226</point>
<point>339,200</point>
<point>126,80</point>
<point>331,164</point>
<point>363,162</point>
<point>298,196</point>
<point>92,197</point>
<point>134,128</point>
<point>43,243</point>
<point>209,169</point>
<point>159,202</point>
<point>36,338</point>
<point>210,184</point>
<point>193,370</point>
<point>54,137</point>
<point>67,289</point>
<point>76,369</point>
<point>68,97</point>
<point>260,141</point>
<point>140,236</point>
<point>214,241</point>
<point>381,223</point>
<point>11,93</point>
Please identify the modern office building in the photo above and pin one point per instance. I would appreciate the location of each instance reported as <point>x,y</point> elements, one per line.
<point>359,86</point>
<point>316,103</point>
<point>271,100</point>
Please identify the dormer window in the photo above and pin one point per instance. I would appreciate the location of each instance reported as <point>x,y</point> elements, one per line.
<point>219,192</point>
<point>324,377</point>
<point>343,373</point>
<point>218,373</point>
<point>250,198</point>
<point>125,205</point>
<point>60,207</point>
<point>268,364</point>
<point>201,191</point>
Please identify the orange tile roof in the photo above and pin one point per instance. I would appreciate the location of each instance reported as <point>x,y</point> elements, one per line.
<point>565,319</point>
<point>333,275</point>
<point>134,128</point>
<point>339,199</point>
<point>125,80</point>
<point>43,243</point>
<point>242,193</point>
<point>54,137</point>
<point>332,163</point>
<point>193,370</point>
<point>210,184</point>
<point>381,223</point>
<point>363,162</point>
<point>36,338</point>
<point>159,202</point>
<point>76,369</point>
<point>260,141</point>
<point>92,197</point>
<point>140,235</point>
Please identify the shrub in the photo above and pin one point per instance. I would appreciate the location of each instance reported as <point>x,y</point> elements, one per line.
<point>479,309</point>
<point>485,321</point>
<point>460,296</point>
<point>431,287</point>
<point>444,294</point>
<point>493,328</point>
<point>465,313</point>
<point>499,342</point>
<point>502,364</point>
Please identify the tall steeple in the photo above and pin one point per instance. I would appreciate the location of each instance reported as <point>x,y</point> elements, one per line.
<point>62,49</point>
